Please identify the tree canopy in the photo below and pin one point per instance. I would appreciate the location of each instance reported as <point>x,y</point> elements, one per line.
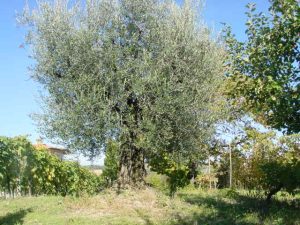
<point>264,69</point>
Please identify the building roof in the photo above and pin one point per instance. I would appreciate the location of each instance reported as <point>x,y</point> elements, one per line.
<point>61,150</point>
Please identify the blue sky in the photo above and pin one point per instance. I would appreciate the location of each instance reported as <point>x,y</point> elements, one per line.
<point>19,94</point>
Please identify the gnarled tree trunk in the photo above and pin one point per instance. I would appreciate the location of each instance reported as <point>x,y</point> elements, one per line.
<point>132,163</point>
<point>132,168</point>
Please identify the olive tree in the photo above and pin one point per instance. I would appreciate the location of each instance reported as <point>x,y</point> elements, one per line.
<point>146,73</point>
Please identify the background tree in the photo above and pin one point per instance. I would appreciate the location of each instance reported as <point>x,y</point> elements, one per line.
<point>282,171</point>
<point>264,70</point>
<point>146,73</point>
<point>230,172</point>
<point>111,162</point>
<point>263,162</point>
<point>259,148</point>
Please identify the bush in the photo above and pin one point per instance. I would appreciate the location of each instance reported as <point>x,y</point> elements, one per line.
<point>158,181</point>
<point>177,173</point>
<point>28,170</point>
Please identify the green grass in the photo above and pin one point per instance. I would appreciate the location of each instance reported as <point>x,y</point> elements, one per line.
<point>228,207</point>
<point>150,206</point>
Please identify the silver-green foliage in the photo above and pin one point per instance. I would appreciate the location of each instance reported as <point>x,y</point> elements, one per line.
<point>113,67</point>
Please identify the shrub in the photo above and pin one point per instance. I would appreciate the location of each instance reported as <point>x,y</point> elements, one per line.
<point>176,172</point>
<point>158,181</point>
<point>35,171</point>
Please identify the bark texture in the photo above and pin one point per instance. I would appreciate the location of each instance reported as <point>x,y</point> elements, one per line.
<point>132,163</point>
<point>132,169</point>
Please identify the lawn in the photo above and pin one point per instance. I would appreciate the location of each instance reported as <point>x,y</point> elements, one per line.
<point>151,206</point>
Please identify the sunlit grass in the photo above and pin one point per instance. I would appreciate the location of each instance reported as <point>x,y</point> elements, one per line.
<point>150,206</point>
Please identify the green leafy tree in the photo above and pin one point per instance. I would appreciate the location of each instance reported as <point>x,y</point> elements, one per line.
<point>283,171</point>
<point>264,70</point>
<point>263,161</point>
<point>145,73</point>
<point>258,148</point>
<point>240,178</point>
<point>176,170</point>
<point>111,162</point>
<point>279,175</point>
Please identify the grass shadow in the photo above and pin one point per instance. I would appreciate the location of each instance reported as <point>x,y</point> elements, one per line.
<point>238,210</point>
<point>15,218</point>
